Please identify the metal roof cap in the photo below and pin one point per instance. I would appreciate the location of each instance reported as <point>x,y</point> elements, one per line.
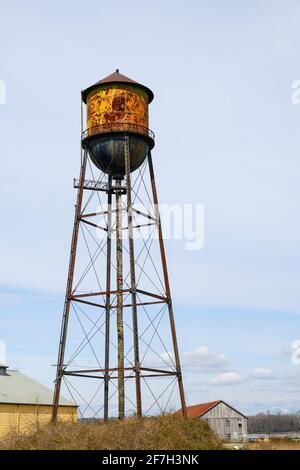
<point>116,77</point>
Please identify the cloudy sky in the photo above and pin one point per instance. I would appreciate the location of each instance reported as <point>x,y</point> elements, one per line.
<point>227,137</point>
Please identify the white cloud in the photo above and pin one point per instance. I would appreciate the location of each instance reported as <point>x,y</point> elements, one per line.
<point>226,378</point>
<point>261,373</point>
<point>203,358</point>
<point>200,358</point>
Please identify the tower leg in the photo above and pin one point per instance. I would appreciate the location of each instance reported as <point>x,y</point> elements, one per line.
<point>133,282</point>
<point>107,306</point>
<point>167,287</point>
<point>65,320</point>
<point>120,332</point>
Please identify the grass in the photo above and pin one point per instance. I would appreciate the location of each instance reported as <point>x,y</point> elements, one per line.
<point>169,432</point>
<point>275,444</point>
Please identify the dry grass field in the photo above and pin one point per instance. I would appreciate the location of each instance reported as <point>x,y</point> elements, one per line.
<point>168,432</point>
<point>275,444</point>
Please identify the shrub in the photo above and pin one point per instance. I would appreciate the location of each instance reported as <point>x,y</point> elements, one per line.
<point>168,432</point>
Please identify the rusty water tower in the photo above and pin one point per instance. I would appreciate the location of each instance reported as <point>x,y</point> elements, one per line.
<point>117,143</point>
<point>116,105</point>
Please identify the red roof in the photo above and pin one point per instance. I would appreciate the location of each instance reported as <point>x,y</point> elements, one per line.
<point>116,77</point>
<point>196,411</point>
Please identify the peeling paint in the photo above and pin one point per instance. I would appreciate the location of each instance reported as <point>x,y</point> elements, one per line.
<point>117,104</point>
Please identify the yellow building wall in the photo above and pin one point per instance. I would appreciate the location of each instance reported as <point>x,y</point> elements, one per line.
<point>8,418</point>
<point>117,104</point>
<point>23,418</point>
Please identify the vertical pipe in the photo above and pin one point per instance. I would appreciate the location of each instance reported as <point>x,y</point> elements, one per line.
<point>120,332</point>
<point>167,286</point>
<point>66,314</point>
<point>133,282</point>
<point>107,306</point>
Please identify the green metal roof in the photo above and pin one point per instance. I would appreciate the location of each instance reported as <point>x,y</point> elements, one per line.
<point>17,388</point>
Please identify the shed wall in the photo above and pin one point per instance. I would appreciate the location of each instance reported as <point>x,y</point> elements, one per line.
<point>226,422</point>
<point>21,418</point>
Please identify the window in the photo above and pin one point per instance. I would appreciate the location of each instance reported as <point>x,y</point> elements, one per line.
<point>228,436</point>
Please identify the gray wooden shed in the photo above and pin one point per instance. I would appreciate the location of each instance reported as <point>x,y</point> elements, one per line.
<point>226,421</point>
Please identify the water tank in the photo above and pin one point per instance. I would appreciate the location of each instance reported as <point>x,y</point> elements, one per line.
<point>117,106</point>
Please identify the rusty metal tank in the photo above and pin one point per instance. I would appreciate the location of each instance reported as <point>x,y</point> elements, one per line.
<point>117,106</point>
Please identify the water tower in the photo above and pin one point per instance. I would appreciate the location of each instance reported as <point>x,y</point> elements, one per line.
<point>119,298</point>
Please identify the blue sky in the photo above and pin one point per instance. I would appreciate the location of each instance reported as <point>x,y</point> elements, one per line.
<point>227,136</point>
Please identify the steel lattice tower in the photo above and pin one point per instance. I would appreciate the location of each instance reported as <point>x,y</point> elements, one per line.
<point>118,331</point>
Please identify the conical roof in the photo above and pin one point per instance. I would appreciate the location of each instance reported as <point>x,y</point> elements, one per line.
<point>116,77</point>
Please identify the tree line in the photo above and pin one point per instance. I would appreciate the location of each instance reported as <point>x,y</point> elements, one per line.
<point>268,423</point>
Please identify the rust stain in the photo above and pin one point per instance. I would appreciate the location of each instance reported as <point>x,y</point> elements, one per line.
<point>117,104</point>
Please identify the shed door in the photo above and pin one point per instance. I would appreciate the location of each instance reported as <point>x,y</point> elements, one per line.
<point>227,429</point>
<point>240,428</point>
